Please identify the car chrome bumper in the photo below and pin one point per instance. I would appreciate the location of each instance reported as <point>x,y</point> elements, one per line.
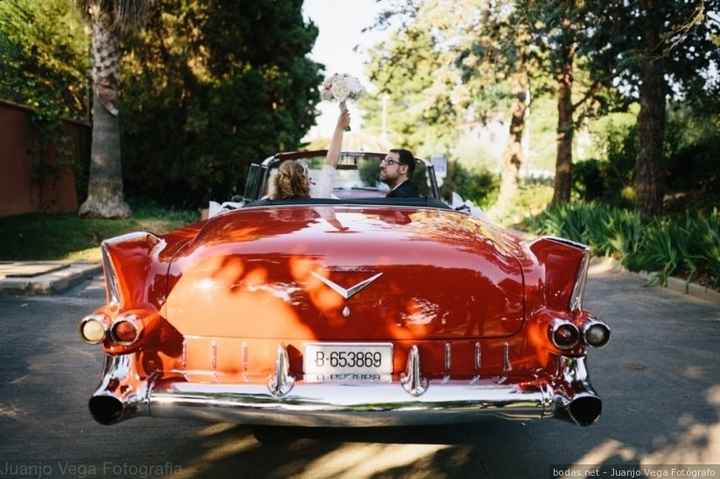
<point>368,404</point>
<point>404,401</point>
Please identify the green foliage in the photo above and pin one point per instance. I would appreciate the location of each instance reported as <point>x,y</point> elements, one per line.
<point>685,49</point>
<point>686,244</point>
<point>44,57</point>
<point>477,185</point>
<point>369,172</point>
<point>69,237</point>
<point>690,164</point>
<point>532,198</point>
<point>408,70</point>
<point>211,87</point>
<point>692,160</point>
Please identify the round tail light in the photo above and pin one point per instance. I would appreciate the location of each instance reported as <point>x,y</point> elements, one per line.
<point>564,334</point>
<point>93,329</point>
<point>125,330</point>
<point>596,333</point>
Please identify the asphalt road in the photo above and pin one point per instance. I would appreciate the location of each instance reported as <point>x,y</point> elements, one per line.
<point>659,379</point>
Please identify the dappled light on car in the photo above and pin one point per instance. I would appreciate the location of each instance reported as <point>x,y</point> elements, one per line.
<point>537,342</point>
<point>227,271</point>
<point>323,299</point>
<point>236,294</point>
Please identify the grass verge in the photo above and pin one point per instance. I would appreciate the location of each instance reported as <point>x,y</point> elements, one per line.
<point>38,236</point>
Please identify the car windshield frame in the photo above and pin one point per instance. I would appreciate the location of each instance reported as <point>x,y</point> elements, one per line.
<point>259,176</point>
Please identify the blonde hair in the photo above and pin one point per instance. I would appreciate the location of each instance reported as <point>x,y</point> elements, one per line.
<point>291,182</point>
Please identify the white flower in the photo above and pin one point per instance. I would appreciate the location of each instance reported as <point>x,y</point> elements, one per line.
<point>340,91</point>
<point>326,94</point>
<point>340,87</point>
<point>354,85</point>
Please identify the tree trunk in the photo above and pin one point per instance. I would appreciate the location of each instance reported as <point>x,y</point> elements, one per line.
<point>105,189</point>
<point>513,154</point>
<point>565,130</point>
<point>649,178</point>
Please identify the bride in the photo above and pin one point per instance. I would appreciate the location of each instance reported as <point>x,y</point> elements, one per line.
<point>292,180</point>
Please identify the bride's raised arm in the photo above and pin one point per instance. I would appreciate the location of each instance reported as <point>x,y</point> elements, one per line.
<point>333,154</point>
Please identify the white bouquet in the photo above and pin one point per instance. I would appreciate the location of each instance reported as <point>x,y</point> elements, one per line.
<point>341,87</point>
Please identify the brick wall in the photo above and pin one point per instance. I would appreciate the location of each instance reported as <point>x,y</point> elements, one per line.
<point>25,188</point>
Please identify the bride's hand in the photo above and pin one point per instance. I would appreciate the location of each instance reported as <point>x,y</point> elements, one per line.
<point>343,120</point>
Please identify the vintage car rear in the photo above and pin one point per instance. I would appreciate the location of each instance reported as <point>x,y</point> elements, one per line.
<point>341,314</point>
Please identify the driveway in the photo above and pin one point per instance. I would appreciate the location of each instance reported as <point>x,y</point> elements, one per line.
<point>659,378</point>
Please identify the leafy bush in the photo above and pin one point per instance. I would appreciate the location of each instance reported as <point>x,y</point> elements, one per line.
<point>690,163</point>
<point>531,199</point>
<point>477,185</point>
<point>588,180</point>
<point>686,245</point>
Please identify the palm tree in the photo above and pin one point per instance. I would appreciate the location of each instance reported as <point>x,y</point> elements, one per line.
<point>109,20</point>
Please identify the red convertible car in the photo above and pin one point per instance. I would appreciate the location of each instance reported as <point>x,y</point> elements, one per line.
<point>355,310</point>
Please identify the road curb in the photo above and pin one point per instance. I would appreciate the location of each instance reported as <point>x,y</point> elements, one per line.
<point>51,283</point>
<point>606,263</point>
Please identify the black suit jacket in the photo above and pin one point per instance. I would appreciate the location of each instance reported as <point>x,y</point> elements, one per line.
<point>406,190</point>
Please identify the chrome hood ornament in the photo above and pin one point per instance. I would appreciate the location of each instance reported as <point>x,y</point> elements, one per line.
<point>352,290</point>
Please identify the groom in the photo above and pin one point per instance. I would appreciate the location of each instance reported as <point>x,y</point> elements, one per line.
<point>396,169</point>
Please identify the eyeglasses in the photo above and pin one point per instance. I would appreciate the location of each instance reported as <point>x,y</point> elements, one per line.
<point>389,162</point>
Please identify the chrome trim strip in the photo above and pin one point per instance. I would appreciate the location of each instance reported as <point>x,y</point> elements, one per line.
<point>244,356</point>
<point>350,205</point>
<point>213,355</point>
<point>447,357</point>
<point>558,239</point>
<point>184,354</point>
<point>349,292</point>
<point>447,362</point>
<point>578,292</point>
<point>280,382</point>
<point>112,292</point>
<point>352,343</point>
<point>412,380</point>
<point>507,367</point>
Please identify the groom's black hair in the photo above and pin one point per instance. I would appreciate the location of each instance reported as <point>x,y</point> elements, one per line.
<point>405,158</point>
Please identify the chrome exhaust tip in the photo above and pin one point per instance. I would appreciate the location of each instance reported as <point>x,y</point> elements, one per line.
<point>584,409</point>
<point>106,410</point>
<point>121,394</point>
<point>576,400</point>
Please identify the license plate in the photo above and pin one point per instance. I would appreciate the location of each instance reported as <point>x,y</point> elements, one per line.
<point>331,362</point>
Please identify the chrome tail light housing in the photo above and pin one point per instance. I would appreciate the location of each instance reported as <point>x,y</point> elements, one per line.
<point>564,334</point>
<point>126,329</point>
<point>94,328</point>
<point>596,333</point>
